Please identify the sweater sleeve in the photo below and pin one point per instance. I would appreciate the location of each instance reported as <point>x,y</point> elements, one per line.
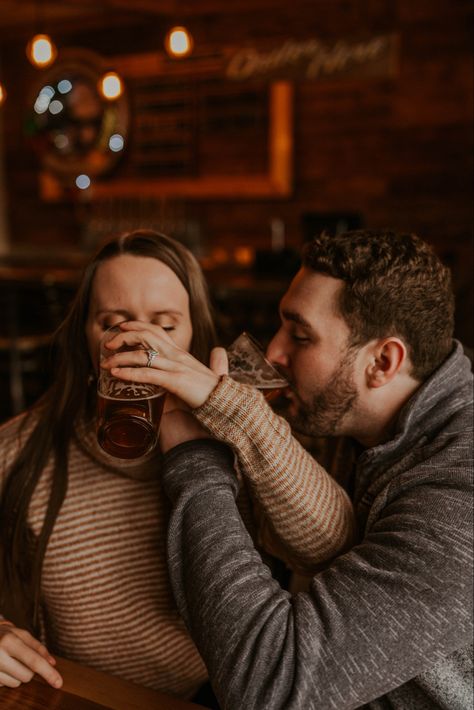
<point>307,515</point>
<point>377,617</point>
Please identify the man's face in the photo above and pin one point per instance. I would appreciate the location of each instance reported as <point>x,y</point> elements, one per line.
<point>311,348</point>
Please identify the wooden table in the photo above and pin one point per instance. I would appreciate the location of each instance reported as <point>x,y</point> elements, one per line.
<point>86,689</point>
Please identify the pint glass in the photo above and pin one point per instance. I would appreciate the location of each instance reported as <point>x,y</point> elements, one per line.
<point>128,413</point>
<point>248,364</point>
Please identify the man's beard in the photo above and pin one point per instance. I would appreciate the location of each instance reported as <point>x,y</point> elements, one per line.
<point>325,413</point>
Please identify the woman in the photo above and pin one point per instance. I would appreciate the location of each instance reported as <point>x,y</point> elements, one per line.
<point>83,533</point>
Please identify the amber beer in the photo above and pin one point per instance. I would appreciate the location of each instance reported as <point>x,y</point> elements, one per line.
<point>270,393</point>
<point>128,428</point>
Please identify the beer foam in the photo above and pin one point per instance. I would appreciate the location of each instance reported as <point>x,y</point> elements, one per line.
<point>111,388</point>
<point>247,364</point>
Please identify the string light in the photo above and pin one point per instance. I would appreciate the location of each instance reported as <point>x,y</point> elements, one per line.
<point>111,86</point>
<point>3,91</point>
<point>178,42</point>
<point>41,51</point>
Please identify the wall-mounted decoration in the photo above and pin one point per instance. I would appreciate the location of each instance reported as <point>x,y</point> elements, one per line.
<point>74,129</point>
<point>314,59</point>
<point>193,134</point>
<point>206,139</point>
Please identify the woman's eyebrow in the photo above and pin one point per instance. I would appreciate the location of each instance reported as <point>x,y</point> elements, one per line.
<point>123,312</point>
<point>115,311</point>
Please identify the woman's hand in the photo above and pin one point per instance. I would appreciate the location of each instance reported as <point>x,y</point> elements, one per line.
<point>21,656</point>
<point>173,368</point>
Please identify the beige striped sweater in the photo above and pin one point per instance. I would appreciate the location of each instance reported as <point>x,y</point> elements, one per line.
<point>106,596</point>
<point>306,518</point>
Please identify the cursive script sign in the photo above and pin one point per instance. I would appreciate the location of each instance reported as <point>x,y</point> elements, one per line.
<point>313,59</point>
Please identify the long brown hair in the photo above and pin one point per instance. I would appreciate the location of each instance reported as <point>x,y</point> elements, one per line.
<point>21,555</point>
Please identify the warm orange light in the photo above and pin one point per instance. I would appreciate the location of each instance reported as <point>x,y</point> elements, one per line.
<point>178,42</point>
<point>220,256</point>
<point>41,51</point>
<point>244,256</point>
<point>3,94</point>
<point>111,86</point>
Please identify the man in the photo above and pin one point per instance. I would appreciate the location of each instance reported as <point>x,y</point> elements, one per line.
<point>366,343</point>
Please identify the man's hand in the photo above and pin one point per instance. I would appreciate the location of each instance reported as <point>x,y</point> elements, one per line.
<point>21,656</point>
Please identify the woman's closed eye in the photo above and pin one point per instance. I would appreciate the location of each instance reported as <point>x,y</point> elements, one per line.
<point>168,327</point>
<point>110,324</point>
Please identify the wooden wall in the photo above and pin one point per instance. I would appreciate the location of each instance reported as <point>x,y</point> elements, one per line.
<point>396,150</point>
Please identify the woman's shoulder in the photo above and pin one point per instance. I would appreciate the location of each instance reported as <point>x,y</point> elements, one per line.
<point>13,435</point>
<point>23,423</point>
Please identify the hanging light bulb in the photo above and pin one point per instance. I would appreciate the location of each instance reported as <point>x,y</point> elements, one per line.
<point>178,42</point>
<point>3,94</point>
<point>41,51</point>
<point>111,86</point>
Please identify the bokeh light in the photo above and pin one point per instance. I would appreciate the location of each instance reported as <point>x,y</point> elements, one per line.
<point>41,51</point>
<point>178,42</point>
<point>83,182</point>
<point>116,143</point>
<point>111,86</point>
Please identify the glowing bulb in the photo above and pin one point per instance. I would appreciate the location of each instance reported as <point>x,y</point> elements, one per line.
<point>3,94</point>
<point>178,42</point>
<point>111,86</point>
<point>41,51</point>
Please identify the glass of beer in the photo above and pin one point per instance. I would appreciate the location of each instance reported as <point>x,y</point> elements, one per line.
<point>128,413</point>
<point>248,364</point>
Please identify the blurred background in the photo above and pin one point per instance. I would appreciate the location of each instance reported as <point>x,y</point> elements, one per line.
<point>252,126</point>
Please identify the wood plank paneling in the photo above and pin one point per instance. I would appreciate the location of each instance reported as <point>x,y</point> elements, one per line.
<point>396,150</point>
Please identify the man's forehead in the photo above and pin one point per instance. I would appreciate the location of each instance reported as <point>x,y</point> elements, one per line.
<point>310,293</point>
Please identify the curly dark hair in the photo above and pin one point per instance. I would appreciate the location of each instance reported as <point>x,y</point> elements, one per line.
<point>394,285</point>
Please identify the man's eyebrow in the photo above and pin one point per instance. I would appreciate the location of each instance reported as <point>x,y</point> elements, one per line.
<point>295,318</point>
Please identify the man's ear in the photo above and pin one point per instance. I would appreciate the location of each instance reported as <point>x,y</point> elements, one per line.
<point>388,357</point>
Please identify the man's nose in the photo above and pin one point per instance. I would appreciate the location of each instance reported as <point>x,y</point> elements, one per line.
<point>276,351</point>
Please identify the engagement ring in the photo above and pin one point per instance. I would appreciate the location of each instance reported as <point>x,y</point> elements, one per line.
<point>151,354</point>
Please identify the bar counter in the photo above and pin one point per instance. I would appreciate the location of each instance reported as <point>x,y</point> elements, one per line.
<point>87,689</point>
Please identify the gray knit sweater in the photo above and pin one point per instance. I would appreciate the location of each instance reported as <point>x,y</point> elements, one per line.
<point>387,625</point>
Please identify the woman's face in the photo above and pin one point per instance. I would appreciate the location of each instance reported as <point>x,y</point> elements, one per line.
<point>128,287</point>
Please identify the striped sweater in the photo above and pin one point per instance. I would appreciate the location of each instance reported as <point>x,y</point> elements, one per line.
<point>305,516</point>
<point>107,601</point>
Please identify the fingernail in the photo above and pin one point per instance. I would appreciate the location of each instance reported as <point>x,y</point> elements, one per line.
<point>52,660</point>
<point>58,682</point>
